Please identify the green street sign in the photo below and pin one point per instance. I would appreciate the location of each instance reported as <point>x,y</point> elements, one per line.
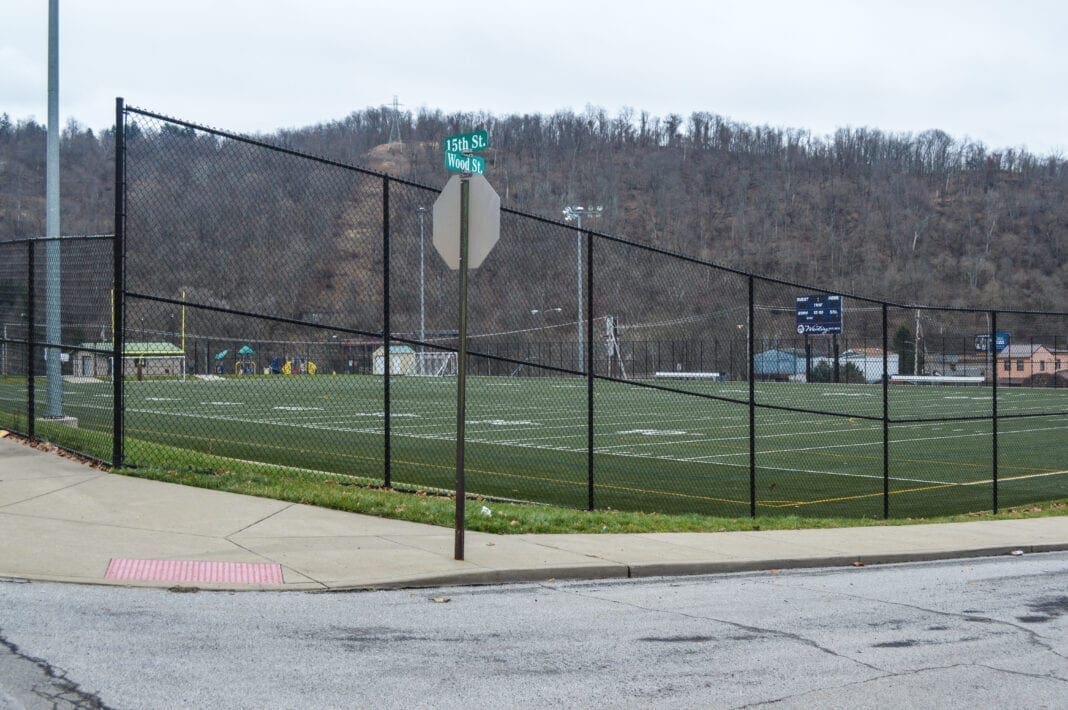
<point>460,163</point>
<point>466,142</point>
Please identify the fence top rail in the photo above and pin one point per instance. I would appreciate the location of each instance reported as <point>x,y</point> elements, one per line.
<point>61,238</point>
<point>564,225</point>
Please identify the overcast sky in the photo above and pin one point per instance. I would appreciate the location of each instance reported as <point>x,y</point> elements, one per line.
<point>991,71</point>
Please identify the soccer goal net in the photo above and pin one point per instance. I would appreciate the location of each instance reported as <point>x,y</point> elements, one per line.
<point>435,364</point>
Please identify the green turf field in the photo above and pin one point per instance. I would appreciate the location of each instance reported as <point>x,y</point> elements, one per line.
<point>654,450</point>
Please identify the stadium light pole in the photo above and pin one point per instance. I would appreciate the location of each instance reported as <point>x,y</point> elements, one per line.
<point>574,213</point>
<point>54,376</point>
<point>422,291</point>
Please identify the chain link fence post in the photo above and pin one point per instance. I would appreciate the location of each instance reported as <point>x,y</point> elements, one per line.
<point>886,417</point>
<point>749,341</point>
<point>387,357</point>
<point>994,406</point>
<point>31,338</point>
<point>589,367</point>
<point>118,290</point>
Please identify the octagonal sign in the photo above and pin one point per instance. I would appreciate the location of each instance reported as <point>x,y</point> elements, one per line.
<point>484,221</point>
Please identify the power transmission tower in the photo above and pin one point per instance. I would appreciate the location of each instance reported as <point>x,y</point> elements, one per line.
<point>394,127</point>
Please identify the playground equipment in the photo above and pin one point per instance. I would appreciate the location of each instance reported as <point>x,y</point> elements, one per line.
<point>245,365</point>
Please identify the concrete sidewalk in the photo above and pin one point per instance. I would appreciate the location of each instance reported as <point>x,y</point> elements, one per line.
<point>65,521</point>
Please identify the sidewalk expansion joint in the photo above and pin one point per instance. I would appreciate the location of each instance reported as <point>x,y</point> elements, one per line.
<point>283,566</point>
<point>113,525</point>
<point>53,491</point>
<point>257,522</point>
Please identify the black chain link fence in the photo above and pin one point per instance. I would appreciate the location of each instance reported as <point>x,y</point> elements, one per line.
<point>55,305</point>
<point>291,311</point>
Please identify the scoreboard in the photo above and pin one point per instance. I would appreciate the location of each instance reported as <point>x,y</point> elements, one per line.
<point>819,314</point>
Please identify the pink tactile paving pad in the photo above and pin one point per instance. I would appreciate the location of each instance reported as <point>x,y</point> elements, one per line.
<point>189,571</point>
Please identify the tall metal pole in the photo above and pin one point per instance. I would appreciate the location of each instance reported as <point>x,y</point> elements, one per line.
<point>575,212</point>
<point>461,374</point>
<point>52,247</point>
<point>422,294</point>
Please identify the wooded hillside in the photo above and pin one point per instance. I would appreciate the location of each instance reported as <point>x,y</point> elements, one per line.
<point>908,217</point>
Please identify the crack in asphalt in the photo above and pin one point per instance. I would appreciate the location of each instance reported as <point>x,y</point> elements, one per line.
<point>899,674</point>
<point>1034,637</point>
<point>738,625</point>
<point>61,691</point>
<point>1051,675</point>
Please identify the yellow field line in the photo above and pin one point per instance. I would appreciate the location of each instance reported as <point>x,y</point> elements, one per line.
<point>878,494</point>
<point>901,491</point>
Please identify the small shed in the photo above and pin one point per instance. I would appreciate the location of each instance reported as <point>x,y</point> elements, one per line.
<point>401,360</point>
<point>156,359</point>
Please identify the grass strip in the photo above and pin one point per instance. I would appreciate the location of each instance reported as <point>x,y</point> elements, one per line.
<point>436,507</point>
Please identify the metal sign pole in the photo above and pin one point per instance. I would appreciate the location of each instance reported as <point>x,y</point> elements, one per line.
<point>461,374</point>
<point>467,254</point>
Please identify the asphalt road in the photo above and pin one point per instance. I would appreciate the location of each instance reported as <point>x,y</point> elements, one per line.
<point>974,633</point>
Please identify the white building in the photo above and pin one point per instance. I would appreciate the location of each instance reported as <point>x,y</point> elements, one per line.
<point>870,362</point>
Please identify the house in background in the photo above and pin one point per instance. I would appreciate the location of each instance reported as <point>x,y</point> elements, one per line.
<point>1031,364</point>
<point>779,365</point>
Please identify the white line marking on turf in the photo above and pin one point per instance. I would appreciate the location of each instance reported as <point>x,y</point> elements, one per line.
<point>224,404</point>
<point>500,422</point>
<point>988,481</point>
<point>848,394</point>
<point>450,436</point>
<point>710,458</point>
<point>657,432</point>
<point>299,409</point>
<point>381,415</point>
<point>157,399</point>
